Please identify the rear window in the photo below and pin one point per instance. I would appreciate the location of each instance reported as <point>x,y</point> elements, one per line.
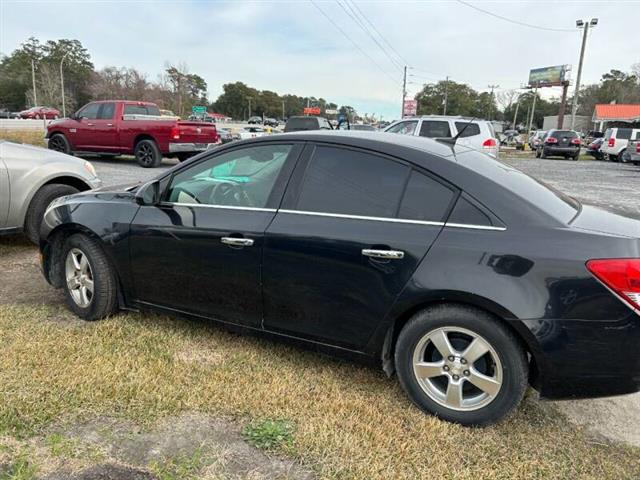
<point>564,134</point>
<point>141,110</point>
<point>470,129</point>
<point>309,123</point>
<point>624,133</point>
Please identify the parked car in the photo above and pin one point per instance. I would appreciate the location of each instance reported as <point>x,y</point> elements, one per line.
<point>114,127</point>
<point>615,142</point>
<point>632,152</point>
<point>478,134</point>
<point>559,143</point>
<point>271,122</point>
<point>4,113</point>
<point>255,121</point>
<point>252,132</point>
<point>594,147</point>
<point>360,127</point>
<point>463,275</point>
<point>304,123</point>
<point>31,178</point>
<point>535,138</point>
<point>36,113</point>
<point>226,135</point>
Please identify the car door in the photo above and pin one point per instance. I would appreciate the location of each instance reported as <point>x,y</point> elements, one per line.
<point>82,134</point>
<point>352,229</point>
<point>199,250</point>
<point>105,133</point>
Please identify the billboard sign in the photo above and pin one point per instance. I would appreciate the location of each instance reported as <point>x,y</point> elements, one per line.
<point>548,76</point>
<point>410,108</point>
<point>312,111</point>
<point>331,111</point>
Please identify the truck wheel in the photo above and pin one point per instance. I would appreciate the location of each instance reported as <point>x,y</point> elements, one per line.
<point>38,205</point>
<point>147,154</point>
<point>59,143</point>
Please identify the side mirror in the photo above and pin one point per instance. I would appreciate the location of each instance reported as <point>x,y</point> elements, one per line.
<point>148,193</point>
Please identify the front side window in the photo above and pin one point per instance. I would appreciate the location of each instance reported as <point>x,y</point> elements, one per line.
<point>404,128</point>
<point>90,112</point>
<point>351,182</point>
<point>435,129</point>
<point>240,178</point>
<point>106,111</point>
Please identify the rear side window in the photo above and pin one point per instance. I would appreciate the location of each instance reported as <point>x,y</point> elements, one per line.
<point>135,110</point>
<point>351,182</point>
<point>153,110</point>
<point>465,212</point>
<point>470,129</point>
<point>435,129</point>
<point>624,133</point>
<point>425,199</point>
<point>106,111</point>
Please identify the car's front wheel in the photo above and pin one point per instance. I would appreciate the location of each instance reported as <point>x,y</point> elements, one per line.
<point>89,279</point>
<point>59,143</point>
<point>461,364</point>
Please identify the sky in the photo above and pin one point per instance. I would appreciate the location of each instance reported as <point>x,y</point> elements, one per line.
<point>317,48</point>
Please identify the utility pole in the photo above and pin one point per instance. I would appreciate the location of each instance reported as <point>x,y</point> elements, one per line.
<point>515,116</point>
<point>446,94</point>
<point>491,99</point>
<point>563,105</point>
<point>33,80</point>
<point>64,110</point>
<point>249,98</point>
<point>533,110</point>
<point>404,91</point>
<point>282,109</point>
<point>585,27</point>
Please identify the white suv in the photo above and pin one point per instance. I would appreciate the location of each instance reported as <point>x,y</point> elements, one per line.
<point>478,135</point>
<point>615,142</point>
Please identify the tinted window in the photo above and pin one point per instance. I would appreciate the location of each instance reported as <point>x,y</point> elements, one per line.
<point>467,213</point>
<point>564,134</point>
<point>90,112</point>
<point>435,129</point>
<point>352,183</point>
<point>153,110</point>
<point>242,178</point>
<point>302,123</point>
<point>135,110</point>
<point>624,133</point>
<point>425,199</point>
<point>470,129</point>
<point>106,111</point>
<point>404,128</point>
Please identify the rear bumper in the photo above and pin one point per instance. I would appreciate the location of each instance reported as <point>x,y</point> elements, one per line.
<point>549,150</point>
<point>191,147</point>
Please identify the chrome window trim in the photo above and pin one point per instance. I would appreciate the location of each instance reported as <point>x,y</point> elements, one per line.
<point>475,227</point>
<point>222,207</point>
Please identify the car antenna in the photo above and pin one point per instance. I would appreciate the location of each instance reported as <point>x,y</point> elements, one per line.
<point>452,141</point>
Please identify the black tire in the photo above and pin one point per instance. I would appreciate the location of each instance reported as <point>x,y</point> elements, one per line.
<point>543,154</point>
<point>59,143</point>
<point>147,154</point>
<point>38,205</point>
<point>621,157</point>
<point>509,351</point>
<point>576,157</point>
<point>104,300</point>
<point>537,153</point>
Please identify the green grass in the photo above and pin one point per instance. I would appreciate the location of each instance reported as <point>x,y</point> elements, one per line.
<point>270,434</point>
<point>181,467</point>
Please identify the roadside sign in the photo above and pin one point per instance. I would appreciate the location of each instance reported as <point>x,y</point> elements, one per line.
<point>410,107</point>
<point>331,111</point>
<point>198,109</point>
<point>312,111</point>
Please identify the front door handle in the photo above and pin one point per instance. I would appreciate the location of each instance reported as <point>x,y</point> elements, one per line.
<point>90,124</point>
<point>237,242</point>
<point>386,254</point>
<point>109,124</point>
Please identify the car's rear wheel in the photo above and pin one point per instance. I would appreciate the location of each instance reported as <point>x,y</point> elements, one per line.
<point>59,143</point>
<point>147,154</point>
<point>621,157</point>
<point>461,364</point>
<point>89,280</point>
<point>39,204</point>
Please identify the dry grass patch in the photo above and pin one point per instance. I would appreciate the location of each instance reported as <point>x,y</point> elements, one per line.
<point>350,421</point>
<point>31,137</point>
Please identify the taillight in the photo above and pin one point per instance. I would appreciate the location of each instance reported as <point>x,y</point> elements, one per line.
<point>638,147</point>
<point>575,141</point>
<point>551,140</point>
<point>612,142</point>
<point>175,133</point>
<point>622,275</point>
<point>490,143</point>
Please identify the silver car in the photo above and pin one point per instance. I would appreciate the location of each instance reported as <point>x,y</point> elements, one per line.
<point>31,178</point>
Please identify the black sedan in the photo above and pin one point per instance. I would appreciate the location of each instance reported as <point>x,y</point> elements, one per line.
<point>466,277</point>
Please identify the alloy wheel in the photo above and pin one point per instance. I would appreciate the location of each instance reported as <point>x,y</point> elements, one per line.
<point>457,368</point>
<point>57,144</point>
<point>145,154</point>
<point>79,277</point>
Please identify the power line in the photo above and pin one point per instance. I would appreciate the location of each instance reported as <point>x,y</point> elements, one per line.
<point>352,42</point>
<point>378,32</point>
<point>517,22</point>
<point>363,27</point>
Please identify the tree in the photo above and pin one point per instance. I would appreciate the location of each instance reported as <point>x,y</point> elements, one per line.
<point>614,87</point>
<point>189,89</point>
<point>461,100</point>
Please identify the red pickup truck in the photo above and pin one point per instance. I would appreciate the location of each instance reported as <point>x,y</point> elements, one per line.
<point>115,127</point>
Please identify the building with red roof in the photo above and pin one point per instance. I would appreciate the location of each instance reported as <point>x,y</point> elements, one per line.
<point>616,112</point>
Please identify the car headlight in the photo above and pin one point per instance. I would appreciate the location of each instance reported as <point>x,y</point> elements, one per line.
<point>90,168</point>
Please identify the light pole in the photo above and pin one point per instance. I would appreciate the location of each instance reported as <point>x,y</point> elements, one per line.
<point>64,110</point>
<point>249,98</point>
<point>585,28</point>
<point>492,87</point>
<point>33,79</point>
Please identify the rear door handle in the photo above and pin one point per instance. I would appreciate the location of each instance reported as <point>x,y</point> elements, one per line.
<point>90,124</point>
<point>387,254</point>
<point>237,242</point>
<point>109,124</point>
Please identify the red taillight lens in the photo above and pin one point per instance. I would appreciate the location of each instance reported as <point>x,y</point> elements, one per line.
<point>175,133</point>
<point>622,275</point>
<point>490,143</point>
<point>638,147</point>
<point>575,141</point>
<point>612,142</point>
<point>551,140</point>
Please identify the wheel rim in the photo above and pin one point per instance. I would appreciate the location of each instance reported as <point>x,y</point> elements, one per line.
<point>145,154</point>
<point>79,277</point>
<point>57,144</point>
<point>457,368</point>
